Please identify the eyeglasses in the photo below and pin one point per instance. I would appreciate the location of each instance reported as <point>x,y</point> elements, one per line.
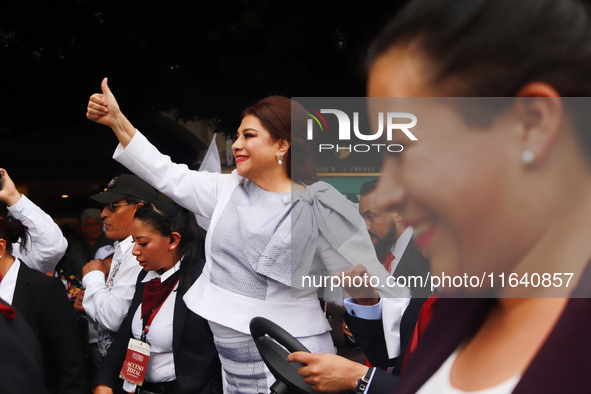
<point>111,206</point>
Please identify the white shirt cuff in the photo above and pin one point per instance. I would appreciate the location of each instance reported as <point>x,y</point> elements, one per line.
<point>93,278</point>
<point>366,312</point>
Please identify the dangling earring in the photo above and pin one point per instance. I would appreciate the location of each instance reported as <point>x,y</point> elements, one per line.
<point>528,157</point>
<point>280,159</point>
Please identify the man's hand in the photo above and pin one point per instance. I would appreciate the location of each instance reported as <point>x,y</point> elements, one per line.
<point>328,373</point>
<point>95,265</point>
<point>78,303</point>
<point>360,288</point>
<point>8,194</point>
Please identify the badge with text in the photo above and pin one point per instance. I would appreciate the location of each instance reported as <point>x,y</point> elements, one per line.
<point>136,361</point>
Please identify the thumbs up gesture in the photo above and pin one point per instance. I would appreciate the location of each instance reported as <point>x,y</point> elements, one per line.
<point>102,107</point>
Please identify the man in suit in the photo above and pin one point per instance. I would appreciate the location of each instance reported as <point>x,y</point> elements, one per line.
<point>401,257</point>
<point>398,252</point>
<point>393,241</point>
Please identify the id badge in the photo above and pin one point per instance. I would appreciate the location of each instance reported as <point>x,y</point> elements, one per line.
<point>136,361</point>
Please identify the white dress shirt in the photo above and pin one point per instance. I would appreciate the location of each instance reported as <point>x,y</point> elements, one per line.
<point>161,366</point>
<point>46,244</point>
<point>8,282</point>
<point>105,305</point>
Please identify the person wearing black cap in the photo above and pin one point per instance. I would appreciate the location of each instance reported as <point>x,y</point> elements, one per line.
<point>106,301</point>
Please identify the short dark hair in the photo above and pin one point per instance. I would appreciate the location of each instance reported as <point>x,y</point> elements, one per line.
<point>368,187</point>
<point>493,48</point>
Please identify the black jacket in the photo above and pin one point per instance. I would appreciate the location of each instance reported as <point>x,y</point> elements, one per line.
<point>42,301</point>
<point>21,370</point>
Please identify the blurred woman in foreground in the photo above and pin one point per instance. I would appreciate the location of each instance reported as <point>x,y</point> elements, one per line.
<point>511,193</point>
<point>499,186</point>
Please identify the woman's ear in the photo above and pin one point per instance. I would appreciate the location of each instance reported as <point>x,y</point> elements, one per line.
<point>283,146</point>
<point>540,110</point>
<point>175,238</point>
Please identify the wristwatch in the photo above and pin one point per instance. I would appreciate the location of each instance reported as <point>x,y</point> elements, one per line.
<point>363,382</point>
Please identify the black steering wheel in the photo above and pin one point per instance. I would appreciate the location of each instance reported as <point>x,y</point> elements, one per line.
<point>275,356</point>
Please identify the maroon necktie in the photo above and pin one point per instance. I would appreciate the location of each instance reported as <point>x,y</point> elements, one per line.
<point>155,292</point>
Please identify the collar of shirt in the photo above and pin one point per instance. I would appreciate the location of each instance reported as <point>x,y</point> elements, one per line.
<point>153,274</point>
<point>401,243</point>
<point>124,246</point>
<point>8,284</point>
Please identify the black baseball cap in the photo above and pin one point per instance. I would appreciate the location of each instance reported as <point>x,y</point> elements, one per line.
<point>126,185</point>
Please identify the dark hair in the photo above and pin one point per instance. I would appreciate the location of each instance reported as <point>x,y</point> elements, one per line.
<point>493,48</point>
<point>284,118</point>
<point>13,231</point>
<point>368,187</point>
<point>166,217</point>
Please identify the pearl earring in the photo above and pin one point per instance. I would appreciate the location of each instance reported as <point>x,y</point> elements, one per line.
<point>528,157</point>
<point>280,159</point>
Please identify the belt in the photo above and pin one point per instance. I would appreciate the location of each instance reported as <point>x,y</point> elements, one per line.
<point>160,388</point>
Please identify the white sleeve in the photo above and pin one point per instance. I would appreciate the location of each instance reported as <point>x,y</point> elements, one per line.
<point>197,191</point>
<point>46,244</point>
<point>109,307</point>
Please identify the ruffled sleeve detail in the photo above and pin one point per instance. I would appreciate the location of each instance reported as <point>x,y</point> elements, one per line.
<point>320,209</point>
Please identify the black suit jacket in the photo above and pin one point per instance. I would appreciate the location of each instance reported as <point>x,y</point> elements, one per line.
<point>21,368</point>
<point>369,334</point>
<point>196,361</point>
<point>42,301</point>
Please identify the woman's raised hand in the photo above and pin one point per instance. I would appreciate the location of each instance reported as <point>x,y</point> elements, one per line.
<point>103,109</point>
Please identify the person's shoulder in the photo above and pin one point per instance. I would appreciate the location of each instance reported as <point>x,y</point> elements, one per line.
<point>40,278</point>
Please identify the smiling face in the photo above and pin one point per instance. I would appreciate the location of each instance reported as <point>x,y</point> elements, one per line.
<point>255,151</point>
<point>152,250</point>
<point>451,185</point>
